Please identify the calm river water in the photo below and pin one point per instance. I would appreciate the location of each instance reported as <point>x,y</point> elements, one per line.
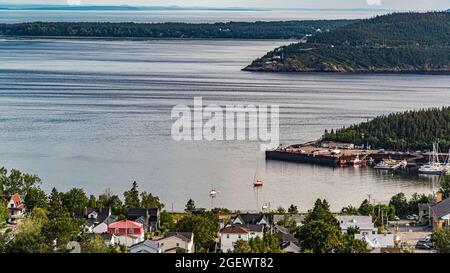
<point>96,114</point>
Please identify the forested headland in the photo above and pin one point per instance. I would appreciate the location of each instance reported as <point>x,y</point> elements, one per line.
<point>399,42</point>
<point>414,130</point>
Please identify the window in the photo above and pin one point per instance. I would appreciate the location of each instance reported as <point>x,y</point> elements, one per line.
<point>131,230</point>
<point>116,231</point>
<point>178,244</point>
<point>228,236</point>
<point>239,236</point>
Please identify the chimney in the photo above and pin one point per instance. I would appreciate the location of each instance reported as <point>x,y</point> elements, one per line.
<point>85,212</point>
<point>438,198</point>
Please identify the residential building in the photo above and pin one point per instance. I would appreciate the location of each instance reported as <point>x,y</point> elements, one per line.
<point>126,232</point>
<point>377,240</point>
<point>228,236</point>
<point>147,246</point>
<point>288,242</point>
<point>98,220</point>
<point>149,217</point>
<point>364,223</point>
<point>290,247</point>
<point>264,220</point>
<point>16,208</point>
<point>440,213</point>
<point>177,241</point>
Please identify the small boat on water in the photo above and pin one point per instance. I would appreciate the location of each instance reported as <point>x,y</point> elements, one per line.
<point>258,183</point>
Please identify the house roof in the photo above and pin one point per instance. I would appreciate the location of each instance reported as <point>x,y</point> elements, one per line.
<point>185,236</point>
<point>16,198</point>
<point>292,245</point>
<point>102,218</point>
<point>441,209</point>
<point>377,240</point>
<point>254,228</point>
<point>287,237</point>
<point>143,211</point>
<point>362,222</point>
<point>235,229</point>
<point>146,243</point>
<point>252,218</point>
<point>125,224</point>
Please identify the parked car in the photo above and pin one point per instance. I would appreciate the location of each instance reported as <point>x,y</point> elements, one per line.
<point>424,245</point>
<point>396,218</point>
<point>412,217</point>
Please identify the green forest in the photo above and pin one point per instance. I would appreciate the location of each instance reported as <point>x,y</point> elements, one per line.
<point>412,130</point>
<point>399,42</point>
<point>230,30</point>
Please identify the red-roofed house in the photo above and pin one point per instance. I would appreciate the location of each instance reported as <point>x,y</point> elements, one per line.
<point>16,208</point>
<point>126,232</point>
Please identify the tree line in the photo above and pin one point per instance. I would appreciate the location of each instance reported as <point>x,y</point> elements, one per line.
<point>230,30</point>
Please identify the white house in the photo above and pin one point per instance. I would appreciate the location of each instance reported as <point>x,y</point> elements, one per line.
<point>378,240</point>
<point>174,241</point>
<point>364,223</point>
<point>16,208</point>
<point>147,246</point>
<point>98,220</point>
<point>228,236</point>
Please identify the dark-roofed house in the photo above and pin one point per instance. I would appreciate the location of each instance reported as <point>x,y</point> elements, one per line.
<point>176,241</point>
<point>148,217</point>
<point>97,220</point>
<point>147,246</point>
<point>440,214</point>
<point>228,236</point>
<point>264,220</point>
<point>288,241</point>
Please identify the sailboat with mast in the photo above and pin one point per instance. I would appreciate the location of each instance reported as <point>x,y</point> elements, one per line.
<point>257,183</point>
<point>434,166</point>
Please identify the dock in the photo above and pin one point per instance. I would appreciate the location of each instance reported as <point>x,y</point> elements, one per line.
<point>314,153</point>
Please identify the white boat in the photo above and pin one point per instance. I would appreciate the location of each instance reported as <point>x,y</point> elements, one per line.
<point>434,167</point>
<point>390,164</point>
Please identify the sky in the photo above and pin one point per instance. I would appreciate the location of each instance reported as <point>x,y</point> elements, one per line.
<point>334,4</point>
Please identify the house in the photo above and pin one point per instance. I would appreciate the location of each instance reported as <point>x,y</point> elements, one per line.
<point>290,247</point>
<point>147,246</point>
<point>126,232</point>
<point>264,220</point>
<point>440,213</point>
<point>375,241</point>
<point>364,223</point>
<point>337,145</point>
<point>228,236</point>
<point>288,242</point>
<point>16,208</point>
<point>149,217</point>
<point>177,241</point>
<point>98,220</point>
